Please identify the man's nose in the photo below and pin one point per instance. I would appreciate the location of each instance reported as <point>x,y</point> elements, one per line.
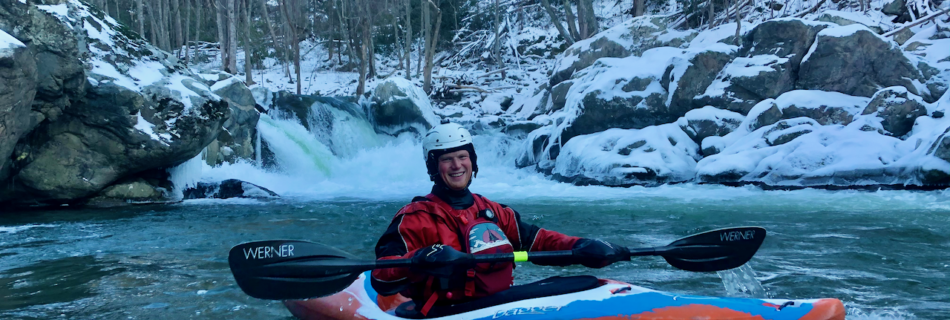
<point>456,163</point>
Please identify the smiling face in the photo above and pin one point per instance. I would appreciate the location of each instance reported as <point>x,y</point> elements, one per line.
<point>456,169</point>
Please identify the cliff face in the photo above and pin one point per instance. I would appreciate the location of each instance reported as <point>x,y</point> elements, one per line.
<point>108,107</point>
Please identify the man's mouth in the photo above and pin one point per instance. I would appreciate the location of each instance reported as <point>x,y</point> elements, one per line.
<point>456,175</point>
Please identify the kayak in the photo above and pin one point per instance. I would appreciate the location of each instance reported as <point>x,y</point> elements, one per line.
<point>606,300</point>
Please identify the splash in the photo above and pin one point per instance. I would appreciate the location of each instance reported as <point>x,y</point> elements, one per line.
<point>741,282</point>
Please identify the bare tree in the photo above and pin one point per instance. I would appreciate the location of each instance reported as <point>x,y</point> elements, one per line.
<point>557,23</point>
<point>292,24</point>
<point>496,48</point>
<point>222,27</point>
<point>176,24</point>
<point>571,20</point>
<point>187,6</point>
<point>279,46</point>
<point>408,40</point>
<point>587,21</point>
<point>141,17</point>
<point>431,42</point>
<point>248,69</point>
<point>232,36</point>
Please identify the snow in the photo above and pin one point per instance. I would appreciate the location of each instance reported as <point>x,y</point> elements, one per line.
<point>742,67</point>
<point>7,44</point>
<point>60,10</point>
<point>601,155</point>
<point>709,113</point>
<point>149,129</point>
<point>815,99</point>
<point>224,83</point>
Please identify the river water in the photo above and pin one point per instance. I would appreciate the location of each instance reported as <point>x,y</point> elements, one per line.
<point>885,253</point>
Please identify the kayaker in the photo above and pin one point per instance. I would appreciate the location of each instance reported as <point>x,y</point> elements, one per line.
<point>451,222</point>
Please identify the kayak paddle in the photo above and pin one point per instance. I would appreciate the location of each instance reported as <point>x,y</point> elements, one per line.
<point>296,270</point>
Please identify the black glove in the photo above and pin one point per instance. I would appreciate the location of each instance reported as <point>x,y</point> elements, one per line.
<point>593,253</point>
<point>441,261</point>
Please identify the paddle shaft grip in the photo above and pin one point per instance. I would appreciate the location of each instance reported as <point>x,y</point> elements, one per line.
<point>482,258</point>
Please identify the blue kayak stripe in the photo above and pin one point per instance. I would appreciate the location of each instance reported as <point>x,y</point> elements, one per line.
<point>631,304</point>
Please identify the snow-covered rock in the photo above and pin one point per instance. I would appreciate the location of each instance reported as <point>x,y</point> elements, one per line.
<point>854,60</point>
<point>17,88</point>
<point>784,38</point>
<point>896,109</point>
<point>822,106</point>
<point>708,121</point>
<point>618,93</point>
<point>231,188</point>
<point>690,74</point>
<point>844,18</point>
<point>801,153</point>
<point>397,105</point>
<point>747,80</point>
<point>617,157</point>
<point>108,105</point>
<point>631,37</point>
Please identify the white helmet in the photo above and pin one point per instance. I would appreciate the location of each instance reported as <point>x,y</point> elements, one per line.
<point>442,138</point>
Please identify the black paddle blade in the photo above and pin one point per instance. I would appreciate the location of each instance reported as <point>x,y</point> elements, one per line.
<point>292,270</point>
<point>714,250</point>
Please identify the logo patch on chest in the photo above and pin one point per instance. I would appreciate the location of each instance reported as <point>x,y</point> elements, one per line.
<point>484,236</point>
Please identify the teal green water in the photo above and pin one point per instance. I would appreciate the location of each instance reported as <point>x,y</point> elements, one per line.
<point>886,254</point>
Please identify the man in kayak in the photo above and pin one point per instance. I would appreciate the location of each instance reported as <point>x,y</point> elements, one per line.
<point>451,223</point>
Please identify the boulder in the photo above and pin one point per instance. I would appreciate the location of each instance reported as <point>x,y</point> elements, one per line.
<point>747,80</point>
<point>897,8</point>
<point>843,18</point>
<point>602,98</point>
<point>855,61</point>
<point>708,121</point>
<point>632,37</point>
<point>897,109</point>
<point>397,105</point>
<point>783,38</point>
<point>231,188</point>
<point>824,107</point>
<point>17,88</point>
<point>237,141</point>
<point>692,73</point>
<point>132,191</point>
<point>787,130</point>
<point>617,157</point>
<point>130,108</point>
<point>55,48</point>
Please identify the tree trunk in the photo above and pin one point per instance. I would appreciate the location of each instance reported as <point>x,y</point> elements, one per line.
<point>560,29</point>
<point>711,15</point>
<point>232,36</point>
<point>248,66</point>
<point>364,48</point>
<point>141,17</point>
<point>431,44</point>
<point>571,20</point>
<point>640,7</point>
<point>738,20</point>
<point>222,33</point>
<point>587,21</point>
<point>291,21</point>
<point>279,46</point>
<point>496,47</point>
<point>198,18</point>
<point>166,32</point>
<point>176,24</point>
<point>187,6</point>
<point>424,25</point>
<point>408,40</point>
